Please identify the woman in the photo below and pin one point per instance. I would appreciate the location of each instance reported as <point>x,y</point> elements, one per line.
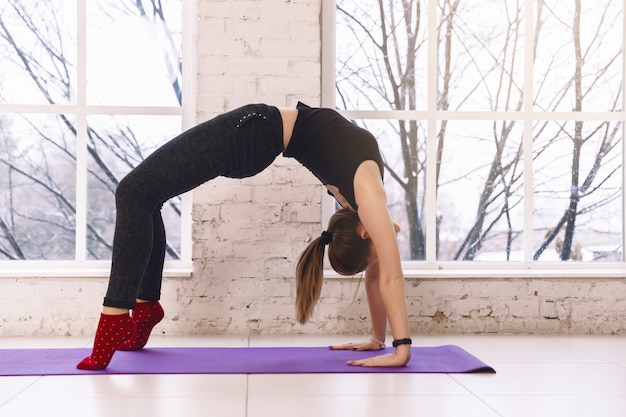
<point>238,144</point>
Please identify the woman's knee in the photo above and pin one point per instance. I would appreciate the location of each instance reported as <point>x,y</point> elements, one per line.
<point>129,191</point>
<point>125,187</point>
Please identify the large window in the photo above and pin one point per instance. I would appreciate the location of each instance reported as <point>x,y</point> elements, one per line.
<point>88,89</point>
<point>500,122</point>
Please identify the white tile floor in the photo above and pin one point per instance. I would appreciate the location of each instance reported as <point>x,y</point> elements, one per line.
<point>538,376</point>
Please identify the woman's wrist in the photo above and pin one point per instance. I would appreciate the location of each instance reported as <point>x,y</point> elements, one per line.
<point>381,342</point>
<point>400,342</point>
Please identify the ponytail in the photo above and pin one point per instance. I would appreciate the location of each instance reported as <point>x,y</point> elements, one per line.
<point>347,253</point>
<point>309,277</point>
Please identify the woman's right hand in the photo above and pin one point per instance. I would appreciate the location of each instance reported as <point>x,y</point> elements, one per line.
<point>399,358</point>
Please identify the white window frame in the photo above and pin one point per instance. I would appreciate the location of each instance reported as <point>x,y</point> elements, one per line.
<point>81,266</point>
<point>431,268</point>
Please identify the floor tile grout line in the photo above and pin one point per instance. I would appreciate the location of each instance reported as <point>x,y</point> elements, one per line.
<point>586,351</point>
<point>39,378</point>
<point>475,395</point>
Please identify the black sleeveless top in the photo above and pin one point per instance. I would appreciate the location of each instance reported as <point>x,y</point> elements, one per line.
<point>332,148</point>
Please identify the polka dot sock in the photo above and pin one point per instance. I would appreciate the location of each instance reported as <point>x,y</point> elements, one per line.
<point>113,330</point>
<point>146,315</point>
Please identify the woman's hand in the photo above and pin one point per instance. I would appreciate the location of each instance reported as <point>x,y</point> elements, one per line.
<point>399,358</point>
<point>369,345</point>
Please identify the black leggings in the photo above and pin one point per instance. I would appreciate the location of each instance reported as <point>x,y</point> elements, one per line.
<point>237,144</point>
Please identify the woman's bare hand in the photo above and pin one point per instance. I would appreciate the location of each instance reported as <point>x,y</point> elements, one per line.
<point>400,357</point>
<point>359,346</point>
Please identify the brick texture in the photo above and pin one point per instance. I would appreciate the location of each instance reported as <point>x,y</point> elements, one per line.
<point>248,234</point>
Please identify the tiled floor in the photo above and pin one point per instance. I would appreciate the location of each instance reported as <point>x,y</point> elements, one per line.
<point>537,376</point>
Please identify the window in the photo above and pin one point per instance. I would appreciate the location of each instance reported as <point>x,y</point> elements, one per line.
<point>501,126</point>
<point>88,89</point>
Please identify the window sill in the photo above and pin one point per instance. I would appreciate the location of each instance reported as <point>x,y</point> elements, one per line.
<point>554,270</point>
<point>73,269</point>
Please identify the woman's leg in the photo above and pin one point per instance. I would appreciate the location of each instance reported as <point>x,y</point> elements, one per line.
<point>237,144</point>
<point>150,286</point>
<point>148,311</point>
<point>139,241</point>
<point>138,249</point>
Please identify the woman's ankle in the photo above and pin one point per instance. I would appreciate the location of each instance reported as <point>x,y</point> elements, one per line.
<point>114,311</point>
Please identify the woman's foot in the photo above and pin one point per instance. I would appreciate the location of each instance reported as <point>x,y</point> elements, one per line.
<point>113,330</point>
<point>146,315</point>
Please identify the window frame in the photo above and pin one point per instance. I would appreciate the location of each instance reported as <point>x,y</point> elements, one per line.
<point>81,266</point>
<point>431,267</point>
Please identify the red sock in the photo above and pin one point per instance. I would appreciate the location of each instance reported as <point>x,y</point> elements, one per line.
<point>112,331</point>
<point>146,315</point>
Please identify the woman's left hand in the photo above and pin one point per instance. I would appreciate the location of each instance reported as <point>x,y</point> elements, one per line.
<point>359,346</point>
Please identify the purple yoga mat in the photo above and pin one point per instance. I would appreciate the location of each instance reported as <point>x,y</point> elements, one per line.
<point>270,360</point>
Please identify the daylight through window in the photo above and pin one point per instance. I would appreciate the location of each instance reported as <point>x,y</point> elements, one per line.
<point>501,125</point>
<point>88,90</point>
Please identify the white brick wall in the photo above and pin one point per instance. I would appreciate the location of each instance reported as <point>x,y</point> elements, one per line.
<point>257,51</point>
<point>248,234</point>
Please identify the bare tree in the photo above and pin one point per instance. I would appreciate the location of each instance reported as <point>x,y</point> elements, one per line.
<point>35,43</point>
<point>500,191</point>
<point>174,65</point>
<point>387,79</point>
<point>603,137</point>
<point>392,34</point>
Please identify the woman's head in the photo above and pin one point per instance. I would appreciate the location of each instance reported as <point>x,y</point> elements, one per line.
<point>348,252</point>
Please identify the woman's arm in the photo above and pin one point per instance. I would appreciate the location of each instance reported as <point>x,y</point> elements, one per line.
<point>377,313</point>
<point>375,303</point>
<point>372,201</point>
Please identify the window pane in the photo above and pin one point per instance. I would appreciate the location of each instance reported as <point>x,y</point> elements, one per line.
<point>483,65</point>
<point>577,183</point>
<point>578,63</point>
<point>134,52</point>
<point>481,55</point>
<point>379,66</point>
<point>37,187</point>
<point>116,145</point>
<point>38,52</point>
<point>479,195</point>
